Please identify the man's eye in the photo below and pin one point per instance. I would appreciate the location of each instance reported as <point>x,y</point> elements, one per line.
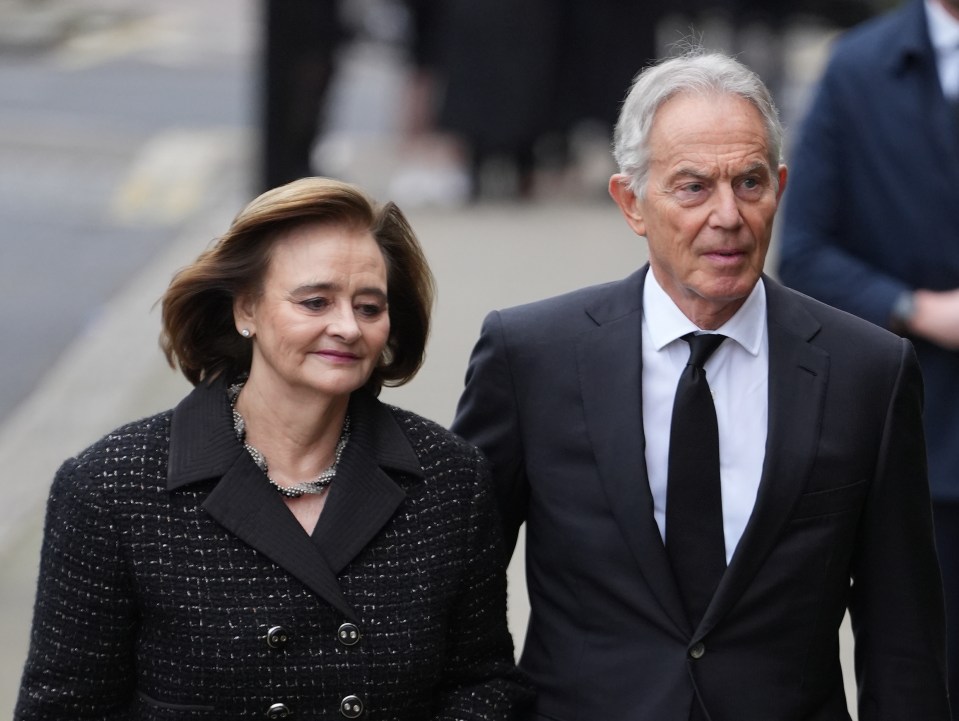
<point>694,187</point>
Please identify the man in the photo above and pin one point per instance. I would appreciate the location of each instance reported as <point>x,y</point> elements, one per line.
<point>819,490</point>
<point>872,221</point>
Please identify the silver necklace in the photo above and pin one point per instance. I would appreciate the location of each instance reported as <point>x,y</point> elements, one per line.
<point>314,487</point>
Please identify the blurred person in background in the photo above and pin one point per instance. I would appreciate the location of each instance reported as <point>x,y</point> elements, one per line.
<point>756,31</point>
<point>871,224</point>
<point>512,79</point>
<point>281,543</point>
<point>299,50</point>
<point>697,527</point>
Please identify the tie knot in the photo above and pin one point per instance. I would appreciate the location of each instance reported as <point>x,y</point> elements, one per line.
<point>701,346</point>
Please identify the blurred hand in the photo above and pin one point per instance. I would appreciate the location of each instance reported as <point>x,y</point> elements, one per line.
<point>937,317</point>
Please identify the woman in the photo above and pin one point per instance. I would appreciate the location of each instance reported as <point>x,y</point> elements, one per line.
<point>281,544</point>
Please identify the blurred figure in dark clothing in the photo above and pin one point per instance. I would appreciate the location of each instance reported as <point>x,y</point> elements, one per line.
<point>603,44</point>
<point>511,72</point>
<point>757,28</point>
<point>495,79</point>
<point>299,50</point>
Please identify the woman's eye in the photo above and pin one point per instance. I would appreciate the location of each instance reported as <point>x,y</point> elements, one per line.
<point>370,310</point>
<point>315,303</point>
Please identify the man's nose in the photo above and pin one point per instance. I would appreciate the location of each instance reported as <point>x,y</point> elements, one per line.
<point>725,211</point>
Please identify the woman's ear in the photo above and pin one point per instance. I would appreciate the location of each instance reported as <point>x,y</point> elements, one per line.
<point>244,307</point>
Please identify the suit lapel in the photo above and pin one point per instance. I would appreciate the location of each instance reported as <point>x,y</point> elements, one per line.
<point>362,498</point>
<point>798,376</point>
<point>610,360</point>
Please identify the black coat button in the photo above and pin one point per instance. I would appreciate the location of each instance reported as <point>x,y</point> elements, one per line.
<point>278,710</point>
<point>697,651</point>
<point>351,707</point>
<point>277,637</point>
<point>348,634</point>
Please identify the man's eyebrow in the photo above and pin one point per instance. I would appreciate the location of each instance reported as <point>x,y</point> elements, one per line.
<point>687,171</point>
<point>758,166</point>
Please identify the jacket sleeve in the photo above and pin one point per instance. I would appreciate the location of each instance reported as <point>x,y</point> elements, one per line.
<point>487,416</point>
<point>896,602</point>
<point>80,664</point>
<point>481,680</point>
<point>813,256</point>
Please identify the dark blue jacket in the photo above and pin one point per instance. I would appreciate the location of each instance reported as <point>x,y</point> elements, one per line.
<point>553,397</point>
<point>872,205</point>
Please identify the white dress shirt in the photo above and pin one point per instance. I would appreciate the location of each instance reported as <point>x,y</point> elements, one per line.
<point>944,33</point>
<point>738,375</point>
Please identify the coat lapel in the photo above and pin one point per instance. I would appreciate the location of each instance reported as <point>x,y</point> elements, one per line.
<point>612,401</point>
<point>244,504</point>
<point>798,376</point>
<point>358,509</point>
<point>362,499</point>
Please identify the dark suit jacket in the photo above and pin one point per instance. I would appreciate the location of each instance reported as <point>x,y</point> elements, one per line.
<point>872,207</point>
<point>175,583</point>
<point>553,398</point>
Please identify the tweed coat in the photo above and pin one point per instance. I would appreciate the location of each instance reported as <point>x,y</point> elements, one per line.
<point>175,583</point>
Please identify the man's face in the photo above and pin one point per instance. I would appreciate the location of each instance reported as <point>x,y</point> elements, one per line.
<point>709,205</point>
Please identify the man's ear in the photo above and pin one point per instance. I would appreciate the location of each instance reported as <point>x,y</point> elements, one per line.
<point>783,174</point>
<point>628,203</point>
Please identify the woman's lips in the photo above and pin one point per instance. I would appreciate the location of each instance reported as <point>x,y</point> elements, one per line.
<point>337,356</point>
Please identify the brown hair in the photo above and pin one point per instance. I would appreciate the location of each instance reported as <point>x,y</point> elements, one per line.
<point>199,336</point>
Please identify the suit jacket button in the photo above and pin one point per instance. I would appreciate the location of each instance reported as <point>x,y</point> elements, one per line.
<point>697,651</point>
<point>277,710</point>
<point>348,634</point>
<point>351,707</point>
<point>277,637</point>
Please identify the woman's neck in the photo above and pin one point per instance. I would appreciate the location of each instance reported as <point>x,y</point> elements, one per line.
<point>297,432</point>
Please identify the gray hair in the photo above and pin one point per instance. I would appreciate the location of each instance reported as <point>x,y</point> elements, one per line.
<point>694,72</point>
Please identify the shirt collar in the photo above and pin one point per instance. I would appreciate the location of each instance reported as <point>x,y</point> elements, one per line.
<point>666,322</point>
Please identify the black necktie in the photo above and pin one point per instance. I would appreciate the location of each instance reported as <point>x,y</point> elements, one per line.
<point>694,505</point>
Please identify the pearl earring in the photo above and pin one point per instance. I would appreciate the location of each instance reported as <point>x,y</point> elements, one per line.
<point>245,332</point>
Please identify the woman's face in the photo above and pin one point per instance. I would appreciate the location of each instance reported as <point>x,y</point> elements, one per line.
<point>321,320</point>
